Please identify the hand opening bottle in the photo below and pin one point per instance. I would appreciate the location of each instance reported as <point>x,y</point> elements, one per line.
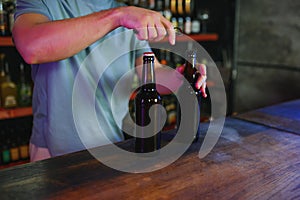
<point>144,100</point>
<point>191,75</point>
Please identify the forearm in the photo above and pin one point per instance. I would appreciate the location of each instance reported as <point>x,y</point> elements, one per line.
<point>39,40</point>
<point>46,41</point>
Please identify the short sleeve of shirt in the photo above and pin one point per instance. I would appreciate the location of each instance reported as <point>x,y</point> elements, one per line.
<point>31,6</point>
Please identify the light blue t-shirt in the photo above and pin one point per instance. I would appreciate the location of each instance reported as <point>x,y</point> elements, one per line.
<point>53,125</point>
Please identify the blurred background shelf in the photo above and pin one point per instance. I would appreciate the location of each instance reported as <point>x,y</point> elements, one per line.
<point>14,164</point>
<point>196,37</point>
<point>15,112</point>
<point>6,41</point>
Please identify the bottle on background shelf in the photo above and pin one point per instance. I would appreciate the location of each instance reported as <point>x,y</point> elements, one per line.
<point>23,137</point>
<point>167,12</point>
<point>5,153</point>
<point>24,89</point>
<point>187,26</point>
<point>174,21</point>
<point>2,73</point>
<point>8,91</point>
<point>180,23</point>
<point>159,5</point>
<point>162,55</point>
<point>204,17</point>
<point>169,103</point>
<point>151,4</point>
<point>133,2</point>
<point>2,70</point>
<point>196,26</point>
<point>168,58</point>
<point>14,147</point>
<point>4,31</point>
<point>5,148</point>
<point>11,7</point>
<point>14,142</point>
<point>23,149</point>
<point>144,3</point>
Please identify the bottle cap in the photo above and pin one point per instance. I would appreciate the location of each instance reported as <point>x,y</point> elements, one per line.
<point>148,54</point>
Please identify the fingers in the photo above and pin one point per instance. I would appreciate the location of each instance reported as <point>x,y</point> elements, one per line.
<point>150,33</point>
<point>201,68</point>
<point>165,27</point>
<point>203,90</point>
<point>152,26</point>
<point>156,33</point>
<point>201,82</point>
<point>170,30</point>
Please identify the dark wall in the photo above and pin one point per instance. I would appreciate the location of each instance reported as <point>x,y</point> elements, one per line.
<point>267,53</point>
<point>221,21</point>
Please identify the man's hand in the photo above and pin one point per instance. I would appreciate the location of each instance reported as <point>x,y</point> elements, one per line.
<point>40,40</point>
<point>201,82</point>
<point>148,24</point>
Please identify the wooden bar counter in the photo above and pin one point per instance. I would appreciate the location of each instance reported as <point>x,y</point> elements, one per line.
<point>250,161</point>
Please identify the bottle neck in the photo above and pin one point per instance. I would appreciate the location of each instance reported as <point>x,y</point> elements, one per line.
<point>190,70</point>
<point>148,79</point>
<point>190,67</point>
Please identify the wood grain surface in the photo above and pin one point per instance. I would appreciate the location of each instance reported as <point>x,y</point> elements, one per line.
<point>285,116</point>
<point>250,161</point>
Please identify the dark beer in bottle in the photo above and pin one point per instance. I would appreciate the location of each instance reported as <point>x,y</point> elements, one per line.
<point>144,100</point>
<point>191,75</point>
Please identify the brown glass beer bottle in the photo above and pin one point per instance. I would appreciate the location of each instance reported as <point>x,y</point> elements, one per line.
<point>191,75</point>
<point>144,100</point>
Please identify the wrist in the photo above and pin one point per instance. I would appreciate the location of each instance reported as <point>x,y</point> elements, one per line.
<point>109,18</point>
<point>118,15</point>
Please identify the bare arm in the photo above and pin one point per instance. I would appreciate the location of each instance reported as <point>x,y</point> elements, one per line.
<point>39,40</point>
